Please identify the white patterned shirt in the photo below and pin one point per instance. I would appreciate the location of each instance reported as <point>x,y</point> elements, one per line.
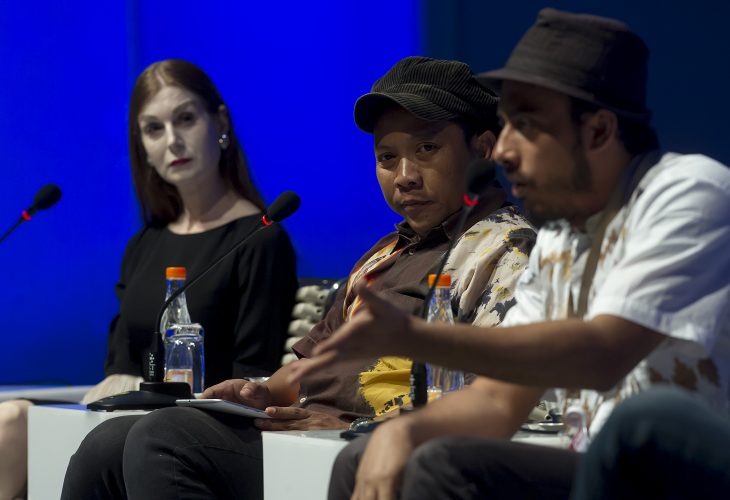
<point>664,264</point>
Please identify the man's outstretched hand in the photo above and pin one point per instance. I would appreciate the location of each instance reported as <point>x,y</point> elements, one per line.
<point>378,329</point>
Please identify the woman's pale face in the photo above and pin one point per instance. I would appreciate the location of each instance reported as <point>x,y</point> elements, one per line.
<point>180,137</point>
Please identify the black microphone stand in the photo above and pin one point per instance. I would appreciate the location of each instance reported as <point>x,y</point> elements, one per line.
<point>479,175</point>
<point>154,392</point>
<point>9,231</point>
<point>419,374</point>
<point>153,358</point>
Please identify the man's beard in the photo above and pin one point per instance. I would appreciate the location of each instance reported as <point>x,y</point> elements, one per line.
<point>580,182</point>
<point>582,176</point>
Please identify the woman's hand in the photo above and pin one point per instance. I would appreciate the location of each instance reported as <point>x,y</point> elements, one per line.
<point>240,391</point>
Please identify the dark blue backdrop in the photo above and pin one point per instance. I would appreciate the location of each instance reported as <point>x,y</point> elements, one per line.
<point>290,73</point>
<point>689,67</point>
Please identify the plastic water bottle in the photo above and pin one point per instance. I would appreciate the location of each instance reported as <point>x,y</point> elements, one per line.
<point>177,312</point>
<point>185,356</point>
<point>441,380</point>
<point>183,340</point>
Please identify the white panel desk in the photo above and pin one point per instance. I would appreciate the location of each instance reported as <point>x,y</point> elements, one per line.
<point>59,393</point>
<point>54,434</point>
<point>297,464</point>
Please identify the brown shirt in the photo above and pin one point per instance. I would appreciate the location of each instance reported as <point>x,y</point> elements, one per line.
<point>499,238</point>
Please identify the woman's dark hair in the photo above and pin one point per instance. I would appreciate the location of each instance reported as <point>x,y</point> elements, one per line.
<point>160,200</point>
<point>637,137</point>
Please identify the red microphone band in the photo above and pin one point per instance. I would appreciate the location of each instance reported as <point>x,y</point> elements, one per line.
<point>266,221</point>
<point>472,202</point>
<point>25,215</point>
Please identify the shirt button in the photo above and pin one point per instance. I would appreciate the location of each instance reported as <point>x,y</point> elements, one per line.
<point>411,251</point>
<point>302,400</point>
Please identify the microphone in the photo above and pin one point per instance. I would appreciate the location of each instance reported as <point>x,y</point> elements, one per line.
<point>154,393</point>
<point>283,206</point>
<point>479,175</point>
<point>45,198</point>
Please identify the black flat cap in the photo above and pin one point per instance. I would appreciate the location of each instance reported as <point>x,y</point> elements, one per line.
<point>432,90</point>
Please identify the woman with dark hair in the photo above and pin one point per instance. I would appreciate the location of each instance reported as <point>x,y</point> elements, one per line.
<point>197,200</point>
<point>159,197</point>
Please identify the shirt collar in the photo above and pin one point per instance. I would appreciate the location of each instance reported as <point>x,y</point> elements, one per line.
<point>490,200</point>
<point>627,183</point>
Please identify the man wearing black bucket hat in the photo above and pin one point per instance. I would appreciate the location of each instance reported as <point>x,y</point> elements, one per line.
<point>627,286</point>
<point>429,119</point>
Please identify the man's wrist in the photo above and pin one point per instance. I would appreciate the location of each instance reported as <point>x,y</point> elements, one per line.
<point>410,426</point>
<point>408,336</point>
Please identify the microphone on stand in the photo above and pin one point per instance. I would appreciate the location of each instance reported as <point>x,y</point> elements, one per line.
<point>153,365</point>
<point>45,198</point>
<point>154,393</point>
<point>479,175</point>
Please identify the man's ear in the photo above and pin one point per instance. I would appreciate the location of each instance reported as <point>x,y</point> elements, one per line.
<point>224,123</point>
<point>599,130</point>
<point>484,143</point>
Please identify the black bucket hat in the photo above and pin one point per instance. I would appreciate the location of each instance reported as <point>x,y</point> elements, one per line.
<point>595,59</point>
<point>432,90</point>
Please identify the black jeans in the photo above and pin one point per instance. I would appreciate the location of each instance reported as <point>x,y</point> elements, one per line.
<point>170,453</point>
<point>659,444</point>
<point>469,468</point>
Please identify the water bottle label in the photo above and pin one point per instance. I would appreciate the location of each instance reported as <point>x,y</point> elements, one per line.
<point>178,375</point>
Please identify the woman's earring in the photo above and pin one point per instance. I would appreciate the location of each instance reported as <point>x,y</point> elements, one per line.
<point>224,141</point>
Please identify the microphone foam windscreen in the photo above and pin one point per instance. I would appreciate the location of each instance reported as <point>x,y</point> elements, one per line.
<point>283,206</point>
<point>46,197</point>
<point>479,175</point>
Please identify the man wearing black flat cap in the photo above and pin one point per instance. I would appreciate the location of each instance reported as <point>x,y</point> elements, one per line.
<point>626,288</point>
<point>429,120</point>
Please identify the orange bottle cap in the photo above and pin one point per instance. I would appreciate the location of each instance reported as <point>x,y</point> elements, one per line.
<point>175,273</point>
<point>444,280</point>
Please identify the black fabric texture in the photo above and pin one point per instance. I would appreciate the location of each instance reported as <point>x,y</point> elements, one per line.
<point>466,468</point>
<point>244,304</point>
